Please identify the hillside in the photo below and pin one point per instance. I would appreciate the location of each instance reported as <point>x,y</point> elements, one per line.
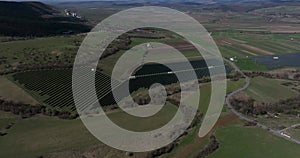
<point>36,19</point>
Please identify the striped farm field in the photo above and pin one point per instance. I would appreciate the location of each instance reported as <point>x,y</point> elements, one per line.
<point>54,87</point>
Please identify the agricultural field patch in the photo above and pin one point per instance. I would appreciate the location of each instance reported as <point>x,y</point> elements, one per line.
<point>269,90</point>
<point>39,51</point>
<point>245,45</point>
<point>42,135</point>
<point>237,140</point>
<point>279,122</point>
<point>7,119</point>
<point>241,45</point>
<point>138,124</point>
<point>249,64</point>
<point>187,49</point>
<point>205,92</point>
<point>50,136</point>
<point>10,91</point>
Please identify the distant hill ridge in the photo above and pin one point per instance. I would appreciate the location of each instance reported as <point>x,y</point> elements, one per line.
<point>28,8</point>
<point>36,19</point>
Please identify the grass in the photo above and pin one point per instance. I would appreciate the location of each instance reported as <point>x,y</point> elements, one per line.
<point>41,135</point>
<point>283,120</point>
<point>205,91</point>
<point>248,142</point>
<point>249,64</point>
<point>7,118</point>
<point>39,50</point>
<point>295,133</point>
<point>138,124</point>
<point>269,90</point>
<point>234,85</point>
<point>10,91</point>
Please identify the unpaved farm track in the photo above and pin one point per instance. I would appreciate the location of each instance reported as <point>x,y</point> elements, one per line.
<point>247,46</point>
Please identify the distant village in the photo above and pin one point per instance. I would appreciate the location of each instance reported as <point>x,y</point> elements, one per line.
<point>72,14</point>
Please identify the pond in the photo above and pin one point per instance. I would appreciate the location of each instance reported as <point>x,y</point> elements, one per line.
<point>279,61</point>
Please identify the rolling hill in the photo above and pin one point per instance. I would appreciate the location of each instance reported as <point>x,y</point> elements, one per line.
<point>36,19</point>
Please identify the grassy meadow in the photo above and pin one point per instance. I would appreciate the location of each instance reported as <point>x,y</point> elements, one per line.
<point>39,51</point>
<point>269,90</point>
<point>248,142</point>
<point>10,91</point>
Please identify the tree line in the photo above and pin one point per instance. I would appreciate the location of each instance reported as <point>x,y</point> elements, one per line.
<point>27,110</point>
<point>291,75</point>
<point>249,106</point>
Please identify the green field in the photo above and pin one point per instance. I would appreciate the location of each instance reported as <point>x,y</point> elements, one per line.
<point>138,124</point>
<point>10,91</point>
<point>282,120</point>
<point>249,64</point>
<point>7,118</point>
<point>269,90</point>
<point>248,142</point>
<point>234,85</point>
<point>39,51</point>
<point>205,92</point>
<point>41,135</point>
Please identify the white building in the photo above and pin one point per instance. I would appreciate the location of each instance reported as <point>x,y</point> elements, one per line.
<point>285,135</point>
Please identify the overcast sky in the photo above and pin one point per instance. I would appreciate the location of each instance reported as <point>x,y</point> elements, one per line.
<point>58,0</point>
<point>64,0</point>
